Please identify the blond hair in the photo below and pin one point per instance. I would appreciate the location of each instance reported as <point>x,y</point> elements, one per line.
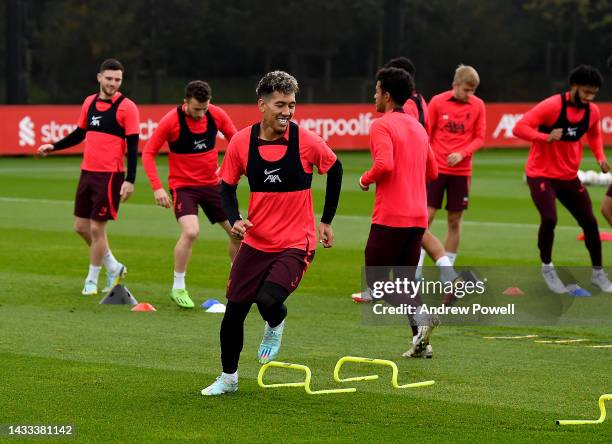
<point>466,74</point>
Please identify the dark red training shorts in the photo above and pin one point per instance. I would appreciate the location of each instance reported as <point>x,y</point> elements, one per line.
<point>253,267</point>
<point>187,199</point>
<point>98,195</point>
<point>457,192</point>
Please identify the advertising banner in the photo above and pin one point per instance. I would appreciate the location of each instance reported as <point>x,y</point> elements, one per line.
<point>345,127</point>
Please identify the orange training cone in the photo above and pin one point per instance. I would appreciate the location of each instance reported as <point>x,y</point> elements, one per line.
<point>144,306</point>
<point>603,235</point>
<point>513,291</point>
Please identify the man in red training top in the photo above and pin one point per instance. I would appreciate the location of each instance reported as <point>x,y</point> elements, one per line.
<point>457,124</point>
<point>191,132</point>
<point>109,123</point>
<point>417,107</point>
<point>554,127</point>
<point>278,158</point>
<point>403,162</point>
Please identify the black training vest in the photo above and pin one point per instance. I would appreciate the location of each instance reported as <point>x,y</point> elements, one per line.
<point>194,143</point>
<point>416,98</point>
<point>105,121</point>
<point>283,175</point>
<point>572,132</point>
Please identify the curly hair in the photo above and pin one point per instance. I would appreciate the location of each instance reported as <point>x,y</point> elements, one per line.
<point>585,75</point>
<point>397,82</point>
<point>279,81</point>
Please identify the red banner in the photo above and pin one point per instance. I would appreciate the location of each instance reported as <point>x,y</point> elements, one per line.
<point>345,127</point>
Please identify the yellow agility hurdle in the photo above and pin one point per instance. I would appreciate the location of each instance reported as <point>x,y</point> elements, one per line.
<point>391,364</point>
<point>305,383</point>
<point>602,416</point>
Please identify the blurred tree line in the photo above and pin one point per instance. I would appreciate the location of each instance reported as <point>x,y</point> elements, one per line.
<point>522,49</point>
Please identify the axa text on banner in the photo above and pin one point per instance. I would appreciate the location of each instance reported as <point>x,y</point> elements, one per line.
<point>345,127</point>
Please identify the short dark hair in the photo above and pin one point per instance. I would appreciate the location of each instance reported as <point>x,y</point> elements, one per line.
<point>397,82</point>
<point>111,65</point>
<point>402,63</point>
<point>279,81</point>
<point>199,90</point>
<point>585,75</point>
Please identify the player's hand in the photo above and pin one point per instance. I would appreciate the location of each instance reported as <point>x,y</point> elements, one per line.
<point>326,235</point>
<point>162,199</point>
<point>127,189</point>
<point>362,186</point>
<point>240,228</point>
<point>453,159</point>
<point>44,150</point>
<point>605,167</point>
<point>555,134</point>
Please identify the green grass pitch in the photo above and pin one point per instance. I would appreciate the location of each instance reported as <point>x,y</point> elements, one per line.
<point>120,376</point>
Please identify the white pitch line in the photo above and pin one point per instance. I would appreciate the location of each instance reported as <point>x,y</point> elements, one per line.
<point>561,341</point>
<point>510,337</point>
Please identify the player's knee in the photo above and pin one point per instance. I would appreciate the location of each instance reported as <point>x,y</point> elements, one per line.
<point>97,230</point>
<point>191,234</point>
<point>270,296</point>
<point>454,224</point>
<point>548,222</point>
<point>81,228</point>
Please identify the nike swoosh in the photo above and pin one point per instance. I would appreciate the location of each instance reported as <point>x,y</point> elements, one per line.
<point>271,171</point>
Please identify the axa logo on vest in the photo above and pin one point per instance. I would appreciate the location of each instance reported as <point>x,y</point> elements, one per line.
<point>271,177</point>
<point>199,144</point>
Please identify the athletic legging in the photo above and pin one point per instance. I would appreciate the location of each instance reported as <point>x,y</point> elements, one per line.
<point>270,302</point>
<point>573,196</point>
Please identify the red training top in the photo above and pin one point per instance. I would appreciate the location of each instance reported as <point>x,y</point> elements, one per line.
<point>280,220</point>
<point>105,152</point>
<point>557,159</point>
<point>456,127</point>
<point>185,170</point>
<point>403,163</point>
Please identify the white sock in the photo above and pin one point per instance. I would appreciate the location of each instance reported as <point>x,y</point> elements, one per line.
<point>548,265</point>
<point>598,271</point>
<point>444,261</point>
<point>110,263</point>
<point>414,339</point>
<point>451,257</point>
<point>447,272</point>
<point>232,377</point>
<point>94,272</point>
<point>179,281</point>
